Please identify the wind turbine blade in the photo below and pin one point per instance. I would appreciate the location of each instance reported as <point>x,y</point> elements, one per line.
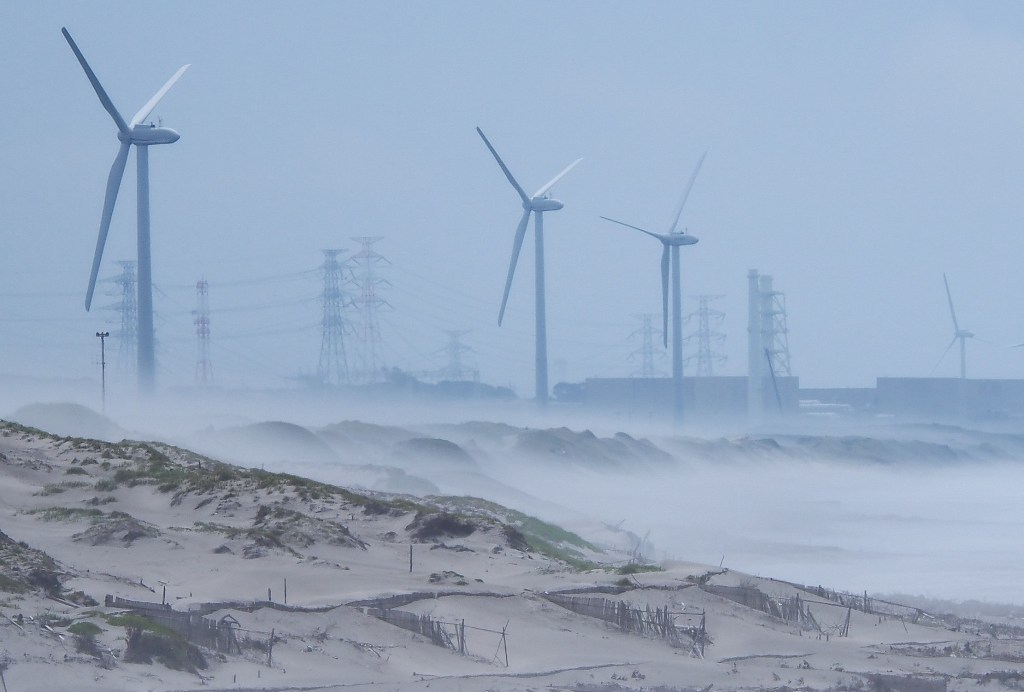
<point>686,194</point>
<point>113,184</point>
<point>659,236</point>
<point>504,168</point>
<point>517,245</point>
<point>104,99</point>
<point>151,104</point>
<point>949,296</point>
<point>939,361</point>
<point>664,295</point>
<point>550,184</point>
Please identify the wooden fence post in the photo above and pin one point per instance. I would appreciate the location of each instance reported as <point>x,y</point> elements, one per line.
<point>504,642</point>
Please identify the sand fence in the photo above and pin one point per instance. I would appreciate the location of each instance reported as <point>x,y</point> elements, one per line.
<point>687,628</point>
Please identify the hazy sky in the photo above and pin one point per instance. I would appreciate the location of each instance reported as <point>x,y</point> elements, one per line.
<point>856,151</point>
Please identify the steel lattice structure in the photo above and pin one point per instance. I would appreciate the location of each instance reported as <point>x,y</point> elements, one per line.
<point>333,366</point>
<point>364,266</point>
<point>204,368</point>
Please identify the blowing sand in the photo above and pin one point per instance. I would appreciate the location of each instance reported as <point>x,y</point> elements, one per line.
<point>312,578</point>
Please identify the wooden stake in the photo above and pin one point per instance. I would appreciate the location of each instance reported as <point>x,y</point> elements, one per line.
<point>270,648</point>
<point>504,642</point>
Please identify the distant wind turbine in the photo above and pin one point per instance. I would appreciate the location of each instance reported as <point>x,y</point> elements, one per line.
<point>537,204</point>
<point>671,242</point>
<point>142,136</point>
<point>961,335</point>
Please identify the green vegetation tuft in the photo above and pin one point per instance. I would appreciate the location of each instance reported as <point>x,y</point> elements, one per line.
<point>148,639</point>
<point>11,585</point>
<point>85,629</point>
<point>57,488</point>
<point>139,621</point>
<point>544,538</point>
<point>67,514</point>
<point>636,568</point>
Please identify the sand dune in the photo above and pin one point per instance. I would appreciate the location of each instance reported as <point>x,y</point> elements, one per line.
<point>313,585</point>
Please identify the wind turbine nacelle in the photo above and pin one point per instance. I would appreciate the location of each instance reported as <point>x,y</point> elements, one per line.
<point>545,204</point>
<point>682,239</point>
<point>145,135</point>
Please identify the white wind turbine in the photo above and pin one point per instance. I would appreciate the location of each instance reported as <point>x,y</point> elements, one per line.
<point>961,335</point>
<point>134,132</point>
<point>671,242</point>
<point>536,204</point>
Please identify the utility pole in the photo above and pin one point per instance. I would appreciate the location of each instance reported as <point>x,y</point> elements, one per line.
<point>103,368</point>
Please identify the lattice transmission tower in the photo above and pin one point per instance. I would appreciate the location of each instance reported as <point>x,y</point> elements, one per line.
<point>333,366</point>
<point>457,369</point>
<point>127,336</point>
<point>201,319</point>
<point>364,266</point>
<point>706,336</point>
<point>649,356</point>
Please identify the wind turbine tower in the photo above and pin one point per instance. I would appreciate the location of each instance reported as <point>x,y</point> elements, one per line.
<point>961,335</point>
<point>333,366</point>
<point>671,242</point>
<point>536,204</point>
<point>142,135</point>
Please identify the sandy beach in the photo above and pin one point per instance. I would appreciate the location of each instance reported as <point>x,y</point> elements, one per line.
<point>143,565</point>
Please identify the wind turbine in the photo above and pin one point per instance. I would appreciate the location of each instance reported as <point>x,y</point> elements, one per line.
<point>671,242</point>
<point>142,135</point>
<point>958,334</point>
<point>537,204</point>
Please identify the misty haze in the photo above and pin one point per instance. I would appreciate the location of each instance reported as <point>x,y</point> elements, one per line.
<point>574,346</point>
